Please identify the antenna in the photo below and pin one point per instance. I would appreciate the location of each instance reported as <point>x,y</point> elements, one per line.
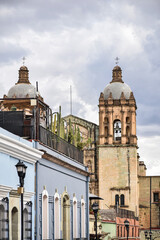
<point>70,100</point>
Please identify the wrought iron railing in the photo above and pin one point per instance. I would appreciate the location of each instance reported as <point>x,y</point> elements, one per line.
<point>52,140</point>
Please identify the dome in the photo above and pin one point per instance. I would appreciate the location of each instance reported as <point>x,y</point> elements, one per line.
<point>116,88</point>
<point>117,68</point>
<point>24,68</point>
<point>22,90</point>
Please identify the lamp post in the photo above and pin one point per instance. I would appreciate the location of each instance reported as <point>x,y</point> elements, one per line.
<point>21,171</point>
<point>148,235</point>
<point>126,223</point>
<point>95,210</point>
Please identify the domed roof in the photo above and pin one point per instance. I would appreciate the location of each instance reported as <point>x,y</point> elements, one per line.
<point>116,88</point>
<point>23,68</point>
<point>22,90</point>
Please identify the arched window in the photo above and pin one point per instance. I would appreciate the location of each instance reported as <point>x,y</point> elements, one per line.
<point>25,223</point>
<point>45,214</point>
<point>127,120</point>
<point>66,216</point>
<point>117,231</point>
<point>83,222</point>
<point>106,131</point>
<point>56,216</point>
<point>122,199</point>
<point>14,217</point>
<point>117,130</point>
<point>117,200</point>
<point>1,221</point>
<point>106,120</point>
<point>127,131</point>
<point>75,217</point>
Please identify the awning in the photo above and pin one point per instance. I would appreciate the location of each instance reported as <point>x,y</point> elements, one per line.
<point>93,196</point>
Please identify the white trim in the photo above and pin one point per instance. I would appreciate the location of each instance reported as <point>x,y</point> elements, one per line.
<point>75,228</point>
<point>4,190</point>
<point>19,150</point>
<point>27,196</point>
<point>83,218</point>
<point>57,215</point>
<point>45,193</point>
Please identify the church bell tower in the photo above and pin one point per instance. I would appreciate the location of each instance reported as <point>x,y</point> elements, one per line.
<point>118,180</point>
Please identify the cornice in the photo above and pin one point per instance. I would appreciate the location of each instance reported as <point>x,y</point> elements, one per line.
<point>19,150</point>
<point>4,190</point>
<point>65,164</point>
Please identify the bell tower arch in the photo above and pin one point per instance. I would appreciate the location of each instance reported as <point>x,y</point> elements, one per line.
<point>118,144</point>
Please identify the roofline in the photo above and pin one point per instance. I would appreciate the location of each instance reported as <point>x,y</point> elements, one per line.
<point>81,119</point>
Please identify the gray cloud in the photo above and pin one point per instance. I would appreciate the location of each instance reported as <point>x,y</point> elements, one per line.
<point>70,42</point>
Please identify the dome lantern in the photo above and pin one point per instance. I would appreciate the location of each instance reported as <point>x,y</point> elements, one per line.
<point>117,74</point>
<point>23,75</point>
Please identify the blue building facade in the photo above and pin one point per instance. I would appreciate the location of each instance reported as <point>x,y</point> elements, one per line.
<point>62,205</point>
<point>13,149</point>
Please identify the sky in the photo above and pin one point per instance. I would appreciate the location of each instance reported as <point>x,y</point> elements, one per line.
<point>75,43</point>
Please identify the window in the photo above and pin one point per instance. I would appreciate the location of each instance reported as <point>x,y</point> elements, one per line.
<point>45,214</point>
<point>66,216</point>
<point>118,231</point>
<point>106,131</point>
<point>132,232</point>
<point>121,231</point>
<point>2,221</point>
<point>117,130</point>
<point>56,216</point>
<point>83,218</point>
<point>25,225</point>
<point>127,120</point>
<point>156,197</point>
<point>117,200</point>
<point>14,216</point>
<point>122,199</point>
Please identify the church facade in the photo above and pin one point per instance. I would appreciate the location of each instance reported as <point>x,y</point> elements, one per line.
<point>117,174</point>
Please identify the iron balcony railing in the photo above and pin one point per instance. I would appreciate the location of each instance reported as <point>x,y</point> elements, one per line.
<point>52,140</point>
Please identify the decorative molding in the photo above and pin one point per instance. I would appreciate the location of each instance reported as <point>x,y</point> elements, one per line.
<point>19,150</point>
<point>27,196</point>
<point>4,190</point>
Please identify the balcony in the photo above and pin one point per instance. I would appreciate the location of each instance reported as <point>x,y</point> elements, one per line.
<point>52,140</point>
<point>16,123</point>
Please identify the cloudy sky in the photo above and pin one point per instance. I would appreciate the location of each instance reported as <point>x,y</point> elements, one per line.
<point>75,43</point>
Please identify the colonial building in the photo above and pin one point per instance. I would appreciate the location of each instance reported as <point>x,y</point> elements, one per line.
<point>59,183</point>
<point>12,150</point>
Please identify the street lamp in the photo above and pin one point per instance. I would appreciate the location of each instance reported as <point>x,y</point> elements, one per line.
<point>21,171</point>
<point>126,223</point>
<point>95,210</point>
<point>148,235</point>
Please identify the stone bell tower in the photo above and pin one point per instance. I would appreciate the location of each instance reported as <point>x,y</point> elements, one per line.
<point>118,180</point>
